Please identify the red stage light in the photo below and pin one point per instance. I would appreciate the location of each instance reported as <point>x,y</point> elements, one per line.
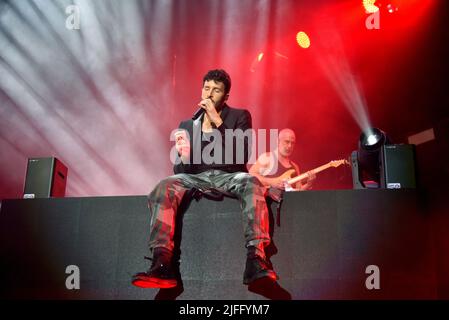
<point>256,61</point>
<point>303,40</point>
<point>391,8</point>
<point>369,6</point>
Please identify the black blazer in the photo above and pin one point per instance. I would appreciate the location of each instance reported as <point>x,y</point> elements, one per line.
<point>232,119</point>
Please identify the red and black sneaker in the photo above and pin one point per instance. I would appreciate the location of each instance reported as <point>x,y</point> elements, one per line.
<point>159,277</point>
<point>161,273</point>
<point>257,268</point>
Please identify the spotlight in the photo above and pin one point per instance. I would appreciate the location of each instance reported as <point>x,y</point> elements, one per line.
<point>256,61</point>
<point>303,39</point>
<point>372,6</point>
<point>369,6</point>
<point>262,56</point>
<point>372,139</point>
<point>379,164</point>
<point>366,161</point>
<point>391,8</point>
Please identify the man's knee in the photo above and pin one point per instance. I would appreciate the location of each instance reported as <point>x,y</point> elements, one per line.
<point>242,177</point>
<point>246,179</point>
<point>247,183</point>
<point>172,182</point>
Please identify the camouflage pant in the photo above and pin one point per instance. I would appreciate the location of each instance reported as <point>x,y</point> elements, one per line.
<point>166,197</point>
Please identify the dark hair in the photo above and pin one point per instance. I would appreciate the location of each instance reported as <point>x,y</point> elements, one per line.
<point>219,75</point>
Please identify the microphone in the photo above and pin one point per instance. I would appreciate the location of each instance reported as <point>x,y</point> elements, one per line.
<point>198,113</point>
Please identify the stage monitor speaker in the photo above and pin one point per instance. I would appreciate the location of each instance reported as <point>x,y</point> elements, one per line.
<point>45,177</point>
<point>398,166</point>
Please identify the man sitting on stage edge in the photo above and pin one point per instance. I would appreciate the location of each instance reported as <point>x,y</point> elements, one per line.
<point>218,176</point>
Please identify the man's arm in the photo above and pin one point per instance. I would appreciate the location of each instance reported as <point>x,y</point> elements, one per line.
<point>308,184</point>
<point>259,167</point>
<point>182,158</point>
<point>264,162</point>
<point>299,186</point>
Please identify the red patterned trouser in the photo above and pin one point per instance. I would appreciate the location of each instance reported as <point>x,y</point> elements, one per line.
<point>166,197</point>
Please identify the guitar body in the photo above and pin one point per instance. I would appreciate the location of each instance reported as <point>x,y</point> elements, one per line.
<point>287,175</point>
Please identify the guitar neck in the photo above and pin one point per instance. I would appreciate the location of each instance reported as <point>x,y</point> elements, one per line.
<point>304,175</point>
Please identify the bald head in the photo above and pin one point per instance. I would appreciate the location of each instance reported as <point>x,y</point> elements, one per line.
<point>287,141</point>
<point>286,133</point>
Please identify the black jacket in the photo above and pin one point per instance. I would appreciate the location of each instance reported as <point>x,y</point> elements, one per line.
<point>231,161</point>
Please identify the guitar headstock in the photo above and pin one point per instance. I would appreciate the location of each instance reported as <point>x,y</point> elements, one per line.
<point>337,163</point>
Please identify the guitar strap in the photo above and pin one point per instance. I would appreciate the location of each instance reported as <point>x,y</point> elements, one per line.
<point>278,211</point>
<point>277,195</point>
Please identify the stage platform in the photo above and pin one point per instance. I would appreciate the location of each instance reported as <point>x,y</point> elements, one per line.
<point>325,242</point>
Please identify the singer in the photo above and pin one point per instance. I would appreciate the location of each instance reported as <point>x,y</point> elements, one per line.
<point>221,177</point>
<point>211,90</point>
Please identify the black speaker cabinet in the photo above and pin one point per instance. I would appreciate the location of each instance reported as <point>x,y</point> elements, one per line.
<point>45,177</point>
<point>398,166</point>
